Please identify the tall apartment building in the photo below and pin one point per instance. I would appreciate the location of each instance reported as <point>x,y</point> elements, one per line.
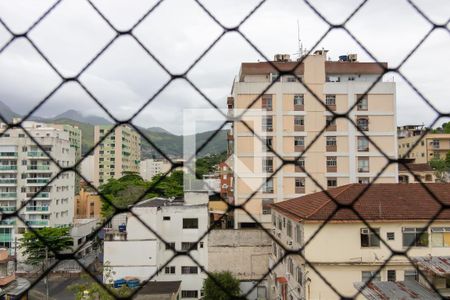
<point>148,168</point>
<point>117,155</point>
<point>432,145</point>
<point>181,222</point>
<point>347,253</point>
<point>288,118</point>
<point>25,169</point>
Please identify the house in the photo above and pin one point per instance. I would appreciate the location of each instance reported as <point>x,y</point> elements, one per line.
<point>342,251</point>
<point>138,249</point>
<point>413,172</point>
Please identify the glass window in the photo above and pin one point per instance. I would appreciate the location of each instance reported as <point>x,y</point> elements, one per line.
<point>363,144</point>
<point>185,246</point>
<point>267,102</point>
<point>189,270</point>
<point>391,275</point>
<point>330,99</point>
<point>411,275</point>
<point>299,99</point>
<point>190,223</point>
<point>266,209</point>
<point>267,164</point>
<point>299,276</point>
<point>363,164</point>
<point>268,185</point>
<point>362,123</point>
<point>368,237</point>
<point>289,228</point>
<point>331,141</point>
<point>299,141</point>
<point>414,237</point>
<point>267,123</point>
<point>331,182</point>
<point>299,120</point>
<point>367,275</point>
<point>363,103</point>
<point>189,294</point>
<point>331,161</point>
<point>440,236</point>
<point>298,234</point>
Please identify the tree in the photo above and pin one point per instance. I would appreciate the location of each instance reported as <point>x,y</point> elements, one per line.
<point>41,246</point>
<point>125,191</point>
<point>208,164</point>
<point>212,291</point>
<point>91,290</point>
<point>441,167</point>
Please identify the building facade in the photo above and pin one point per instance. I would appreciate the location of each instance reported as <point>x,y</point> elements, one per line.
<point>88,204</point>
<point>416,172</point>
<point>181,223</point>
<point>289,119</point>
<point>117,155</point>
<point>149,168</point>
<point>25,170</point>
<point>431,146</point>
<point>345,251</point>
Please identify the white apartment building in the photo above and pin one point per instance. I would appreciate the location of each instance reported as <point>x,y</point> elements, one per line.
<point>87,168</point>
<point>139,252</point>
<point>290,119</point>
<point>347,253</point>
<point>25,169</point>
<point>149,168</point>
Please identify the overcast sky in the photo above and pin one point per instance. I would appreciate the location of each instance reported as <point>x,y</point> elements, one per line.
<point>178,31</point>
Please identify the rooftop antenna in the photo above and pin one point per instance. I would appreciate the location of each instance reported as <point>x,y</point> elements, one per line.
<point>300,44</point>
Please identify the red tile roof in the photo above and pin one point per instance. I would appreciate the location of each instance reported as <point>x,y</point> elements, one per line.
<point>383,201</point>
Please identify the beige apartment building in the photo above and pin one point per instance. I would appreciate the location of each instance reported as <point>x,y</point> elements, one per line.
<point>346,252</point>
<point>432,145</point>
<point>118,154</point>
<point>288,118</point>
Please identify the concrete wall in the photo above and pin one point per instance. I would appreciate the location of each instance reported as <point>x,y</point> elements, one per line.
<point>244,253</point>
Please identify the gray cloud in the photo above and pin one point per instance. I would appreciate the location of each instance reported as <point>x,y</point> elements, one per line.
<point>177,32</point>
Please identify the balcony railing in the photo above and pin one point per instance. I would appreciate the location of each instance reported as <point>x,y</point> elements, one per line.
<point>8,154</point>
<point>8,181</point>
<point>8,222</point>
<point>40,168</point>
<point>38,180</point>
<point>8,195</point>
<point>37,208</point>
<point>7,208</point>
<point>4,168</point>
<point>36,154</point>
<point>37,222</point>
<point>39,195</point>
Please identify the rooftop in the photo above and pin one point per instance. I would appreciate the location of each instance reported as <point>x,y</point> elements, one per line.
<point>383,201</point>
<point>405,290</point>
<point>158,202</point>
<point>415,168</point>
<point>160,287</point>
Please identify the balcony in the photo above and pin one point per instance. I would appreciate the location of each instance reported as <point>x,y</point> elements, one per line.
<point>299,107</point>
<point>331,168</point>
<point>41,195</point>
<point>331,147</point>
<point>8,167</point>
<point>38,180</point>
<point>8,222</point>
<point>38,168</point>
<point>37,154</point>
<point>8,195</point>
<point>37,208</point>
<point>299,148</point>
<point>10,181</point>
<point>298,127</point>
<point>8,208</point>
<point>8,154</point>
<point>37,222</point>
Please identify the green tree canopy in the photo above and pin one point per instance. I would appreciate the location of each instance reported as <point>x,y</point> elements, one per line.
<point>35,248</point>
<point>128,189</point>
<point>212,291</point>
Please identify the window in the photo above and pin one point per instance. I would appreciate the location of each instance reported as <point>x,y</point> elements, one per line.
<point>331,163</point>
<point>298,234</point>
<point>170,245</point>
<point>299,276</point>
<point>299,164</point>
<point>267,102</point>
<point>363,103</point>
<point>390,236</point>
<point>363,180</point>
<point>363,164</point>
<point>363,144</point>
<point>299,185</point>
<point>266,202</point>
<point>330,101</point>
<point>331,182</point>
<point>274,217</point>
<point>267,164</point>
<point>330,123</point>
<point>331,145</point>
<point>169,270</point>
<point>413,236</point>
<point>367,275</point>
<point>299,143</point>
<point>166,218</point>
<point>274,249</point>
<point>275,77</point>
<point>267,144</point>
<point>299,123</point>
<point>267,123</point>
<point>185,246</point>
<point>189,270</point>
<point>411,275</point>
<point>289,228</point>
<point>391,276</point>
<point>189,294</point>
<point>299,100</point>
<point>440,236</point>
<point>190,223</point>
<point>290,266</point>
<point>268,186</point>
<point>362,123</point>
<point>368,237</point>
<point>435,143</point>
<point>280,223</point>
